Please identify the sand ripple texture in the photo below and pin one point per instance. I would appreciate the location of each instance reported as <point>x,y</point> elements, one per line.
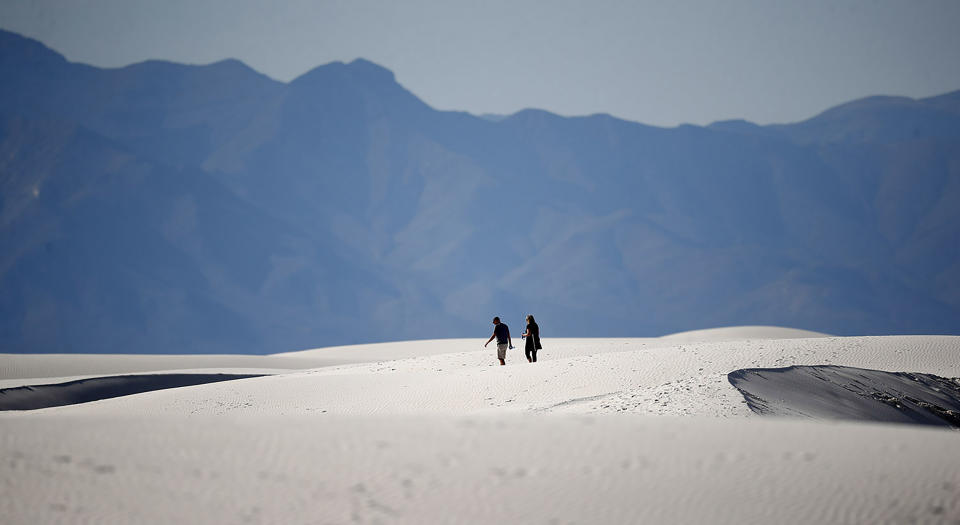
<point>481,469</point>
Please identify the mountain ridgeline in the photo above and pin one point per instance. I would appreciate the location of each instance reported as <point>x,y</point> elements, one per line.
<point>169,208</point>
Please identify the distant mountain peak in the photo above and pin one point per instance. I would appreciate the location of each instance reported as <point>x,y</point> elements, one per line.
<point>535,114</point>
<point>363,66</point>
<point>869,103</point>
<point>736,126</point>
<point>232,64</point>
<point>360,69</point>
<point>374,82</point>
<point>18,49</point>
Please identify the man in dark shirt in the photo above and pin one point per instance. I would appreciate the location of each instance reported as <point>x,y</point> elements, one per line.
<point>502,332</point>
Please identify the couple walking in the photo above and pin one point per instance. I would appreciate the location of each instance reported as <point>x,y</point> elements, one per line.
<point>502,332</point>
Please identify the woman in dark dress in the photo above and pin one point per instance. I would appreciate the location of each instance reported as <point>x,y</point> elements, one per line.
<point>532,335</point>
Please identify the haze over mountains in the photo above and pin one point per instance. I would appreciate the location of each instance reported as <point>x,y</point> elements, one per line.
<point>169,208</point>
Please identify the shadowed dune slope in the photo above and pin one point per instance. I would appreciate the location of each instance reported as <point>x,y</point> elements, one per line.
<point>93,389</point>
<point>841,392</point>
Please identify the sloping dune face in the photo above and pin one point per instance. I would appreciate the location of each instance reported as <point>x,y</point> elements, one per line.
<point>839,392</point>
<point>97,388</point>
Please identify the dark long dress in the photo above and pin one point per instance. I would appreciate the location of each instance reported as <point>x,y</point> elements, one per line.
<point>533,341</point>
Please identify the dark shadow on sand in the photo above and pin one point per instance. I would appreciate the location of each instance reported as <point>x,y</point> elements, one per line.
<point>85,390</point>
<point>841,392</point>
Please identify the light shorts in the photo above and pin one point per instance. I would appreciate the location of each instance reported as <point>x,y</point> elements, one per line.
<point>501,351</point>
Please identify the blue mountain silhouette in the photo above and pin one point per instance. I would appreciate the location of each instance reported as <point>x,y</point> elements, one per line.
<point>169,208</point>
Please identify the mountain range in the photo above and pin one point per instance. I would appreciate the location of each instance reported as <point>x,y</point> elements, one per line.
<point>169,208</point>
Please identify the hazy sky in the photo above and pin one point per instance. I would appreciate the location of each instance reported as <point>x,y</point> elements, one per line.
<point>660,63</point>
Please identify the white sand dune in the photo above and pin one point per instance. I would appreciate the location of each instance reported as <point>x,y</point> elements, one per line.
<point>14,367</point>
<point>436,431</point>
<point>27,369</point>
<point>573,376</point>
